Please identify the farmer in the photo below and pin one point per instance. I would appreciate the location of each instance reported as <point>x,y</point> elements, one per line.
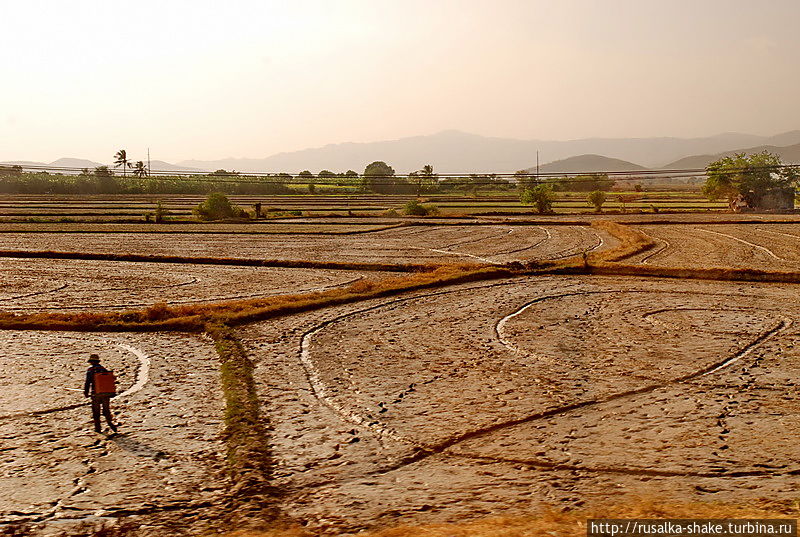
<point>98,399</point>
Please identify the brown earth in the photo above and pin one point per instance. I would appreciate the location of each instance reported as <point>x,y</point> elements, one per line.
<point>760,246</point>
<point>30,285</point>
<point>438,406</point>
<point>167,456</point>
<point>491,398</point>
<point>416,244</point>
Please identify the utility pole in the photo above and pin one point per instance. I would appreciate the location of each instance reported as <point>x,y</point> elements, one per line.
<point>537,166</point>
<point>148,161</point>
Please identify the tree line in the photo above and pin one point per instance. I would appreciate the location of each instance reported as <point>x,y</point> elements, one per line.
<point>739,175</point>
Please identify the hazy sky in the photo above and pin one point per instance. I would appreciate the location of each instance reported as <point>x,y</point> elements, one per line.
<point>212,79</point>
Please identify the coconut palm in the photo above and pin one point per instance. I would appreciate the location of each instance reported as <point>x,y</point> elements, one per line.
<point>122,160</point>
<point>139,169</point>
<point>424,179</point>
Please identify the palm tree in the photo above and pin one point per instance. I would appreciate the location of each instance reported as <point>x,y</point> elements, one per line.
<point>122,160</point>
<point>139,169</point>
<point>425,179</point>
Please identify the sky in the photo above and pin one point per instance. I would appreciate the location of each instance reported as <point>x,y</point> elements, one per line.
<point>209,79</point>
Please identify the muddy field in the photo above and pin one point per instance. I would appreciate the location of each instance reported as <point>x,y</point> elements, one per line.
<point>167,454</point>
<point>761,246</point>
<point>428,244</point>
<point>501,396</point>
<point>31,285</point>
<point>440,405</point>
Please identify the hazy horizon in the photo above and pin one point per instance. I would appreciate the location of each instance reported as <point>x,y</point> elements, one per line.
<point>194,80</point>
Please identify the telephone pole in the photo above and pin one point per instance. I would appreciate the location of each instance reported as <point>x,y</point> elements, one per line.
<point>148,161</point>
<point>537,166</point>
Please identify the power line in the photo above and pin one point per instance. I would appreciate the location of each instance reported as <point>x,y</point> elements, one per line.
<point>467,179</point>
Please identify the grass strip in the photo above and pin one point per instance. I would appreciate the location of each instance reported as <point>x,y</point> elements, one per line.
<point>246,435</point>
<point>632,242</point>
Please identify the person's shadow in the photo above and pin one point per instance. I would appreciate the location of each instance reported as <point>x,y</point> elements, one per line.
<point>136,447</point>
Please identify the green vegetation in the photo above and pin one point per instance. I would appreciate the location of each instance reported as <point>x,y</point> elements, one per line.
<point>749,176</point>
<point>161,212</point>
<point>525,181</point>
<point>415,208</point>
<point>139,170</point>
<point>424,180</point>
<point>541,196</point>
<point>246,433</point>
<point>218,207</point>
<point>597,199</point>
<point>121,159</point>
<point>379,178</point>
<point>584,183</point>
<point>103,181</point>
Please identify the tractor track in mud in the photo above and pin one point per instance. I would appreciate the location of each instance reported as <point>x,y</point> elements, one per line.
<point>453,448</point>
<point>181,302</point>
<point>193,280</point>
<point>789,235</point>
<point>36,293</point>
<point>424,451</point>
<point>650,255</point>
<point>746,243</point>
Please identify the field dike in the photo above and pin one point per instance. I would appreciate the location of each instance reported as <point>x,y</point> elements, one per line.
<point>247,431</point>
<point>227,261</point>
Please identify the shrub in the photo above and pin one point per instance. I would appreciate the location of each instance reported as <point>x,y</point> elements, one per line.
<point>217,206</point>
<point>415,208</point>
<point>597,198</point>
<point>391,213</point>
<point>541,196</point>
<point>161,212</point>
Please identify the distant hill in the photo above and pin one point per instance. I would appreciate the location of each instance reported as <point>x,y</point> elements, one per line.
<point>789,154</point>
<point>74,163</point>
<point>691,163</point>
<point>455,152</point>
<point>459,152</point>
<point>587,163</point>
<point>160,165</point>
<point>79,163</point>
<point>22,163</point>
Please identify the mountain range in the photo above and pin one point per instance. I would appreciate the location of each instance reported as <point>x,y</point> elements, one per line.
<point>455,151</point>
